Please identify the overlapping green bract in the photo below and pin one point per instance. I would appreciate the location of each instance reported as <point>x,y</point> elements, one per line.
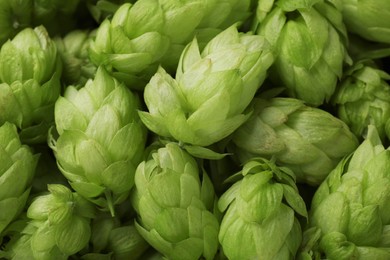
<point>14,16</point>
<point>308,140</point>
<point>57,227</point>
<point>152,32</point>
<point>101,139</point>
<point>351,207</point>
<point>309,42</point>
<point>175,206</point>
<point>73,49</point>
<point>206,101</point>
<point>17,169</point>
<point>368,19</point>
<point>260,220</point>
<point>363,98</point>
<point>30,70</point>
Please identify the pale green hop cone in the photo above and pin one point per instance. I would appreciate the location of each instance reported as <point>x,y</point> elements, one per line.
<point>351,208</point>
<point>369,19</point>
<point>101,139</point>
<point>30,71</point>
<point>309,41</point>
<point>308,140</point>
<point>175,205</point>
<point>363,98</point>
<point>260,221</point>
<point>58,226</point>
<point>207,100</point>
<point>17,169</point>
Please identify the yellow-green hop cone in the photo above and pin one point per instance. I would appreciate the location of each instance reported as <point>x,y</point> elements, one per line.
<point>351,207</point>
<point>30,71</point>
<point>308,140</point>
<point>309,42</point>
<point>363,98</point>
<point>73,49</point>
<point>206,101</point>
<point>368,19</point>
<point>101,139</point>
<point>58,226</point>
<point>260,221</point>
<point>14,17</point>
<point>17,169</point>
<point>175,206</point>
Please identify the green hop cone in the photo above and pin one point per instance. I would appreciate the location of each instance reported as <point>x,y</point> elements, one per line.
<point>309,42</point>
<point>368,19</point>
<point>260,221</point>
<point>101,139</point>
<point>30,70</point>
<point>58,226</point>
<point>363,98</point>
<point>17,169</point>
<point>308,140</point>
<point>351,207</point>
<point>143,35</point>
<point>206,101</point>
<point>175,206</point>
<point>102,9</point>
<point>73,49</point>
<point>14,16</point>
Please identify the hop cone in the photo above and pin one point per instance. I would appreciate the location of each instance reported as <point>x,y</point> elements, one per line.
<point>308,140</point>
<point>174,205</point>
<point>363,98</point>
<point>101,139</point>
<point>206,101</point>
<point>29,71</point>
<point>17,168</point>
<point>58,226</point>
<point>151,32</point>
<point>350,210</point>
<point>73,49</point>
<point>368,19</point>
<point>14,16</point>
<point>260,220</point>
<point>308,38</point>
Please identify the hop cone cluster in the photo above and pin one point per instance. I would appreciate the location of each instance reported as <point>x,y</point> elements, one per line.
<point>17,169</point>
<point>101,139</point>
<point>206,101</point>
<point>175,206</point>
<point>310,141</point>
<point>260,221</point>
<point>350,210</point>
<point>309,42</point>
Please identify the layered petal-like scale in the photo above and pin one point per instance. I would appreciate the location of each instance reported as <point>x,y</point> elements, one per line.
<point>174,206</point>
<point>308,140</point>
<point>206,101</point>
<point>260,221</point>
<point>101,139</point>
<point>349,215</point>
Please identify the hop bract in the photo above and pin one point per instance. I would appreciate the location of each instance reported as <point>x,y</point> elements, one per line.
<point>351,207</point>
<point>260,220</point>
<point>363,98</point>
<point>310,141</point>
<point>30,70</point>
<point>368,19</point>
<point>309,41</point>
<point>101,139</point>
<point>175,206</point>
<point>206,101</point>
<point>17,169</point>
